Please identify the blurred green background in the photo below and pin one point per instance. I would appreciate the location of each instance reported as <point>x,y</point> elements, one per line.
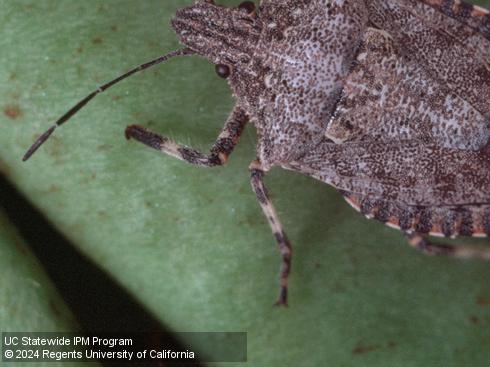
<point>189,247</point>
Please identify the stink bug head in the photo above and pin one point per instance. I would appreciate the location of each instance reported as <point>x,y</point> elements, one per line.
<point>225,36</point>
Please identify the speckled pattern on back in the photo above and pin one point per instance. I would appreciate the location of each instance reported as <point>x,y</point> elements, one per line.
<point>421,77</point>
<point>404,171</point>
<point>388,97</point>
<point>307,59</point>
<point>439,47</point>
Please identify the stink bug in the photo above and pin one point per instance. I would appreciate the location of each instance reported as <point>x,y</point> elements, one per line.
<point>385,100</point>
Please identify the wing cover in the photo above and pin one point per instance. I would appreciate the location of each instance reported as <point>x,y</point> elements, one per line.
<point>386,96</point>
<point>407,171</point>
<point>451,51</point>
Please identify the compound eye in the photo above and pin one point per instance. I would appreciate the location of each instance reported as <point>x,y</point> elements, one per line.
<point>223,71</point>
<point>247,6</point>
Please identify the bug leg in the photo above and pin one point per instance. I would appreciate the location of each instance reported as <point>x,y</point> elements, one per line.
<point>222,148</point>
<point>421,243</point>
<point>257,181</point>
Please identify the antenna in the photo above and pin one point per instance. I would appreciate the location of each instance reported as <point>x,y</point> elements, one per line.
<point>72,111</point>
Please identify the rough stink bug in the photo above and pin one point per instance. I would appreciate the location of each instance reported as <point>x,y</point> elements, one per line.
<point>387,101</point>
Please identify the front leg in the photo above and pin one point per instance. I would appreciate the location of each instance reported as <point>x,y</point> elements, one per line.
<point>222,148</point>
<point>257,181</point>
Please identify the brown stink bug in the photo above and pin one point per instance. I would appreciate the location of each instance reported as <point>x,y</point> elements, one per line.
<point>385,100</point>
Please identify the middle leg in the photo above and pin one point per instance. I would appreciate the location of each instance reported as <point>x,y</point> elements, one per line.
<point>257,181</point>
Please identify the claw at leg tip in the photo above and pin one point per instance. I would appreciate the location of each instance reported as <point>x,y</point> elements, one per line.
<point>127,132</point>
<point>283,298</point>
<point>280,303</point>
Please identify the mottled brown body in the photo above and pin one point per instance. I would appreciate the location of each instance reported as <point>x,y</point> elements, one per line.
<point>387,101</point>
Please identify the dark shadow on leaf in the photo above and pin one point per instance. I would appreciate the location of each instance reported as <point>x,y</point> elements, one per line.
<point>97,301</point>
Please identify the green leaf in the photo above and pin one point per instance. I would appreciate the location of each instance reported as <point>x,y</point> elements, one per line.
<point>192,244</point>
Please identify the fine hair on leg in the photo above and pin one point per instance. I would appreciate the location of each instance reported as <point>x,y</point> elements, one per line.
<point>218,155</point>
